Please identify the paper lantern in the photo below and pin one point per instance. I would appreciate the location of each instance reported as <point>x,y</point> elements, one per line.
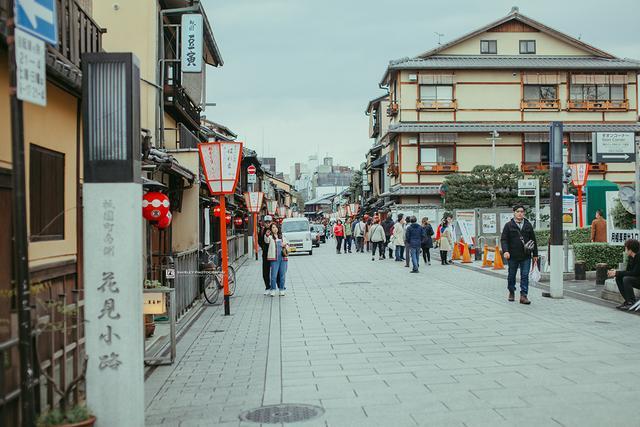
<point>238,221</point>
<point>155,206</point>
<point>216,211</point>
<point>165,221</point>
<point>228,219</point>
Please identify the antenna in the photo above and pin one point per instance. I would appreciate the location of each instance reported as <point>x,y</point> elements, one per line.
<point>440,35</point>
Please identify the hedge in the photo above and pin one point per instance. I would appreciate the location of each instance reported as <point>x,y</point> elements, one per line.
<point>595,253</point>
<point>579,235</point>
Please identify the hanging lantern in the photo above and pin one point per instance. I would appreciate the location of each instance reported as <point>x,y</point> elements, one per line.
<point>155,206</point>
<point>228,219</point>
<point>282,211</point>
<point>216,211</point>
<point>165,221</point>
<point>246,219</point>
<point>238,221</point>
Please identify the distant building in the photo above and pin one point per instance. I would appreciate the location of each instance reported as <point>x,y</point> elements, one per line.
<point>269,163</point>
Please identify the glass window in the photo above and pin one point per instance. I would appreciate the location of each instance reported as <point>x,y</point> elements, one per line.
<point>445,154</point>
<point>437,154</point>
<point>548,92</point>
<point>428,155</point>
<point>536,92</point>
<point>295,226</point>
<point>46,194</point>
<point>436,92</point>
<point>602,92</point>
<point>527,46</point>
<point>536,152</point>
<point>489,46</point>
<point>428,93</point>
<point>531,92</point>
<point>617,92</point>
<point>580,152</point>
<point>576,93</point>
<point>589,92</point>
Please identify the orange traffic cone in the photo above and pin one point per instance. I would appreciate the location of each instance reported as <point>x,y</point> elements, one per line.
<point>456,252</point>
<point>466,255</point>
<point>485,257</point>
<point>498,264</point>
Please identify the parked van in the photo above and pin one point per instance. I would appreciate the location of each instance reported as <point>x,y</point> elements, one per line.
<point>297,231</point>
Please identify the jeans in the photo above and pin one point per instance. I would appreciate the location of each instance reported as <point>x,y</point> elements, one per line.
<point>347,243</point>
<point>380,246</point>
<point>386,245</point>
<point>359,244</point>
<point>399,253</point>
<point>407,255</point>
<point>415,258</point>
<point>626,285</point>
<point>278,273</point>
<point>525,267</point>
<point>339,242</point>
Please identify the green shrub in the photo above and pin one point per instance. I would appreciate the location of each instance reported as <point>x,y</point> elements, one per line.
<point>56,418</point>
<point>595,253</point>
<point>579,235</point>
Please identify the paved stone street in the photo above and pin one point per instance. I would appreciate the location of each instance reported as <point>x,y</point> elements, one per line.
<point>374,345</point>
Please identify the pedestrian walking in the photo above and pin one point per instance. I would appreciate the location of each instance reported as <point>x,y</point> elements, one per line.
<point>278,251</point>
<point>446,239</point>
<point>398,237</point>
<point>348,236</point>
<point>338,231</point>
<point>367,227</point>
<point>519,246</point>
<point>599,228</point>
<point>266,264</point>
<point>387,226</point>
<point>377,239</point>
<point>628,279</point>
<point>414,236</point>
<point>427,241</point>
<point>358,233</point>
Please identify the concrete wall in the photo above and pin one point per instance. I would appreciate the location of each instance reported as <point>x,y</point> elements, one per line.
<point>186,224</point>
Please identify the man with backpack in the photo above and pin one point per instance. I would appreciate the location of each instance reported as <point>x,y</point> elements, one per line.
<point>519,247</point>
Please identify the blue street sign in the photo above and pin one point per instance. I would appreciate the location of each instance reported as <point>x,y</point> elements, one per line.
<point>38,18</point>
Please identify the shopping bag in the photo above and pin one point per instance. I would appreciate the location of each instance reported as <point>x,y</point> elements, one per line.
<point>392,246</point>
<point>534,274</point>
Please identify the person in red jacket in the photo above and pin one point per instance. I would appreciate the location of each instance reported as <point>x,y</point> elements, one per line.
<point>338,231</point>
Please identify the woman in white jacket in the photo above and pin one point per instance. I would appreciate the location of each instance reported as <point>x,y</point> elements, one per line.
<point>277,255</point>
<point>398,237</point>
<point>377,239</point>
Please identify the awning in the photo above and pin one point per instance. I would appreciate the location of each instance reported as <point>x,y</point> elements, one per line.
<point>380,162</point>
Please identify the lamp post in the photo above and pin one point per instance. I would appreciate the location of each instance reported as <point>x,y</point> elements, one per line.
<point>221,165</point>
<point>253,201</point>
<point>493,138</point>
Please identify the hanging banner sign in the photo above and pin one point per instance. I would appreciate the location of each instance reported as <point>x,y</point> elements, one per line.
<point>191,58</point>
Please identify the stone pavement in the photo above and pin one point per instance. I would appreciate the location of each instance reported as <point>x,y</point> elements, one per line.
<point>376,346</point>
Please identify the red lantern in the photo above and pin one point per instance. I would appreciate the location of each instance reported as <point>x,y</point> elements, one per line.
<point>216,211</point>
<point>155,206</point>
<point>228,219</point>
<point>246,219</point>
<point>165,221</point>
<point>238,221</point>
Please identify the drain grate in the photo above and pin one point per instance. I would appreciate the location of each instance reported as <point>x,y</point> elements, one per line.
<point>277,414</point>
<point>354,283</point>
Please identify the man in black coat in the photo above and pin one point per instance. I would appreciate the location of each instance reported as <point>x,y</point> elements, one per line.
<point>629,278</point>
<point>387,226</point>
<point>519,246</point>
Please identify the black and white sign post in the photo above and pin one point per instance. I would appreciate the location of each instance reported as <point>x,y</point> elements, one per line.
<point>555,248</point>
<point>113,249</point>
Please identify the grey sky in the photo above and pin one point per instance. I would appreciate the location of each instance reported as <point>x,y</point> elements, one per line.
<point>302,71</point>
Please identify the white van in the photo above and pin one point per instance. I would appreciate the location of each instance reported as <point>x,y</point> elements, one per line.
<point>297,231</point>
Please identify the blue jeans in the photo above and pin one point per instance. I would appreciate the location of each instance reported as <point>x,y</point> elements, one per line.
<point>399,253</point>
<point>347,243</point>
<point>415,257</point>
<point>279,266</point>
<point>525,267</point>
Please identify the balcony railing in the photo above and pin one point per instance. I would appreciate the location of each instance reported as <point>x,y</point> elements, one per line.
<point>529,167</point>
<point>443,105</point>
<point>176,98</point>
<point>393,169</point>
<point>540,104</point>
<point>440,167</point>
<point>598,168</point>
<point>599,105</point>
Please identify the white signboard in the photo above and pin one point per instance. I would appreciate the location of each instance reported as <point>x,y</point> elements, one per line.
<point>504,219</point>
<point>489,223</point>
<point>207,227</point>
<point>191,59</point>
<point>568,212</point>
<point>251,178</point>
<point>32,69</point>
<point>467,223</point>
<point>170,273</point>
<point>113,302</point>
<point>527,184</point>
<point>616,236</point>
<point>614,147</point>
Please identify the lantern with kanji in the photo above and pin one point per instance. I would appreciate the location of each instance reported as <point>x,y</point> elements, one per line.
<point>282,211</point>
<point>165,221</point>
<point>155,206</point>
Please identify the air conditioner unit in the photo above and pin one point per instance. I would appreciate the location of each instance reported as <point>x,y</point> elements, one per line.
<point>413,77</point>
<point>412,140</point>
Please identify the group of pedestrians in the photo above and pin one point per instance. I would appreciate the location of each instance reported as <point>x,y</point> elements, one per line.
<point>275,260</point>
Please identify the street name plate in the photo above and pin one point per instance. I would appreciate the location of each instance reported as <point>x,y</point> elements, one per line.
<point>614,147</point>
<point>32,69</point>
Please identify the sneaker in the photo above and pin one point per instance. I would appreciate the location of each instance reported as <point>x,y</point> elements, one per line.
<point>267,291</point>
<point>429,262</point>
<point>272,293</point>
<point>282,293</point>
<point>413,271</point>
<point>626,305</point>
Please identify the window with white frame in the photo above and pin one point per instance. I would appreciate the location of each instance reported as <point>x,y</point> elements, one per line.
<point>488,46</point>
<point>527,46</point>
<point>443,154</point>
<point>580,147</point>
<point>536,147</point>
<point>436,93</point>
<point>540,92</point>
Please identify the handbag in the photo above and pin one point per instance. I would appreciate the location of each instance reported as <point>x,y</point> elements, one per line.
<point>529,245</point>
<point>285,252</point>
<point>534,274</point>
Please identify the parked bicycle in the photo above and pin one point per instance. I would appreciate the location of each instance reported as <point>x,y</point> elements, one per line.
<point>213,282</point>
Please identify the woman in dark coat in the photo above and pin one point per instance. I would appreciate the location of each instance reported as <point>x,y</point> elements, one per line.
<point>427,242</point>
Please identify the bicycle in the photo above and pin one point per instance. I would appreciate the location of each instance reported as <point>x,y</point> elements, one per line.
<point>213,283</point>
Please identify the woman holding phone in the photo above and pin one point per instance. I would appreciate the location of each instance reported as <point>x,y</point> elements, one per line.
<point>277,255</point>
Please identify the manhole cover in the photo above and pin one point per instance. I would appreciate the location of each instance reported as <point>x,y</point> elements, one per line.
<point>276,414</point>
<point>354,283</point>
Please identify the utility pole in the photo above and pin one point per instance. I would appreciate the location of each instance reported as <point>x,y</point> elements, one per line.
<point>20,240</point>
<point>555,252</point>
<point>494,136</point>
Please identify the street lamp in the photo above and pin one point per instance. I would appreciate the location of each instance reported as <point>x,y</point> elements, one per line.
<point>493,137</point>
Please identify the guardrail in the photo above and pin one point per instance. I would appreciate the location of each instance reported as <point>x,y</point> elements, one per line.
<point>186,282</point>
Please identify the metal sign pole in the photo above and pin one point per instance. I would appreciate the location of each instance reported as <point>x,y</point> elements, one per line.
<point>20,241</point>
<point>537,204</point>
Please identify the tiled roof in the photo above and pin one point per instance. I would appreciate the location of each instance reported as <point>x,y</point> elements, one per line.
<point>413,190</point>
<point>515,62</point>
<point>469,127</point>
